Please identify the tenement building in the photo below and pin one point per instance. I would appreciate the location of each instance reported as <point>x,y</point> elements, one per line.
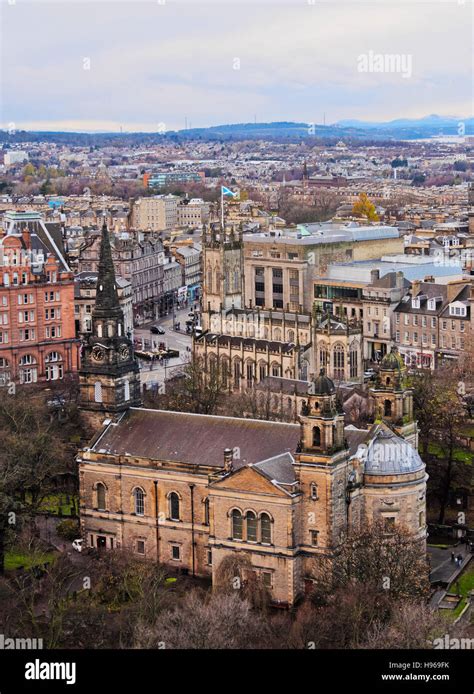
<point>190,490</point>
<point>37,332</point>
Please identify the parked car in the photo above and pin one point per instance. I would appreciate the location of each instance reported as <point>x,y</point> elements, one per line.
<point>77,544</point>
<point>161,331</point>
<point>154,330</point>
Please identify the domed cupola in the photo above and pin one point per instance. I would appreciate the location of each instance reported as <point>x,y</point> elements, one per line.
<point>322,385</point>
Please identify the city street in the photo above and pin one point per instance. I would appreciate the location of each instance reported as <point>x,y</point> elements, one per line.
<point>156,372</point>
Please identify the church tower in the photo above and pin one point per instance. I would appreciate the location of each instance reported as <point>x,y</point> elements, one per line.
<point>323,471</point>
<point>223,271</point>
<point>394,399</point>
<point>109,376</point>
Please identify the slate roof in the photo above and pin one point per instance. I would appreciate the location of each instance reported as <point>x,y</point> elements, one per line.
<point>195,439</point>
<point>278,469</point>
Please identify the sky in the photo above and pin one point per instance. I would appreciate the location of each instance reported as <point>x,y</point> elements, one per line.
<point>161,64</point>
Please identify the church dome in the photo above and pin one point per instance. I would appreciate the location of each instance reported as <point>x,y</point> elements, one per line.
<point>322,385</point>
<point>388,454</point>
<point>392,361</point>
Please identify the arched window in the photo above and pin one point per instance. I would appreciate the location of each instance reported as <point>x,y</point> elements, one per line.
<point>225,372</point>
<point>27,359</point>
<point>174,506</point>
<point>100,489</point>
<point>54,369</point>
<point>277,334</point>
<point>291,335</point>
<point>338,362</point>
<point>387,408</point>
<point>209,281</point>
<point>139,498</point>
<point>314,491</point>
<point>99,330</point>
<point>30,373</point>
<point>316,436</point>
<point>353,363</point>
<point>323,357</point>
<point>237,373</point>
<point>126,390</point>
<point>265,529</point>
<point>236,525</point>
<point>98,391</point>
<point>251,519</point>
<point>236,280</point>
<point>250,373</point>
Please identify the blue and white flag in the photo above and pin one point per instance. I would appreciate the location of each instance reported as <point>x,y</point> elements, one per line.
<point>226,191</point>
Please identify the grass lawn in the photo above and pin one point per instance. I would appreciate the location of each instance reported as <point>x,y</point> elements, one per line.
<point>56,504</point>
<point>463,585</point>
<point>460,454</point>
<point>14,559</point>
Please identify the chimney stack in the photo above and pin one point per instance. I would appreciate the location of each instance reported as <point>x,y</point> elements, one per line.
<point>415,288</point>
<point>374,276</point>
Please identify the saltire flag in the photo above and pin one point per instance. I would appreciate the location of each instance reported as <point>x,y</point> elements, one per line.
<point>226,191</point>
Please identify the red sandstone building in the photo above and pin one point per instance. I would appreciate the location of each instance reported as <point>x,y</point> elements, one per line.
<point>37,333</point>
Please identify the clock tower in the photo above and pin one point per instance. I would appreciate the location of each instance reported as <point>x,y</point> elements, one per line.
<point>109,376</point>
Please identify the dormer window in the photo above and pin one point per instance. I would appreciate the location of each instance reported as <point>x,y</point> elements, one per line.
<point>431,304</point>
<point>415,302</point>
<point>457,309</point>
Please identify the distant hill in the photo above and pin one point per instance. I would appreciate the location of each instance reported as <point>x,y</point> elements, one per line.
<point>400,129</point>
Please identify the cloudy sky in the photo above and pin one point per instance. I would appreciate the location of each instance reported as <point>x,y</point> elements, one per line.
<point>106,64</point>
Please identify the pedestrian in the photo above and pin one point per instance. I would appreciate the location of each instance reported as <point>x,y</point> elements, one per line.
<point>452,556</point>
<point>459,559</point>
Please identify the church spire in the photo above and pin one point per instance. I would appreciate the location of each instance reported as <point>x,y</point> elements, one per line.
<point>107,300</point>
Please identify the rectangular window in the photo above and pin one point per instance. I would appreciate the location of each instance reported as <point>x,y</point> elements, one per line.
<point>267,579</point>
<point>314,537</point>
<point>209,557</point>
<point>175,552</point>
<point>141,546</point>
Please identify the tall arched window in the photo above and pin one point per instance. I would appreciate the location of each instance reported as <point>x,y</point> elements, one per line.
<point>174,506</point>
<point>353,363</point>
<point>316,436</point>
<point>236,280</point>
<point>265,529</point>
<point>237,373</point>
<point>139,498</point>
<point>100,497</point>
<point>387,410</point>
<point>54,367</point>
<point>323,357</point>
<point>209,281</point>
<point>126,390</point>
<point>314,491</point>
<point>98,391</point>
<point>251,519</point>
<point>225,372</point>
<point>236,525</point>
<point>29,372</point>
<point>291,336</point>
<point>338,362</point>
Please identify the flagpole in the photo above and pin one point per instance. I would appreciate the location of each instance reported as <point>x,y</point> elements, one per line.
<point>222,208</point>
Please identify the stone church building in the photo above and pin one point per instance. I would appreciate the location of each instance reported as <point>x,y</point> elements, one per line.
<point>188,490</point>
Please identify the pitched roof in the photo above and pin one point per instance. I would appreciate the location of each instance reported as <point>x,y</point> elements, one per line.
<point>195,439</point>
